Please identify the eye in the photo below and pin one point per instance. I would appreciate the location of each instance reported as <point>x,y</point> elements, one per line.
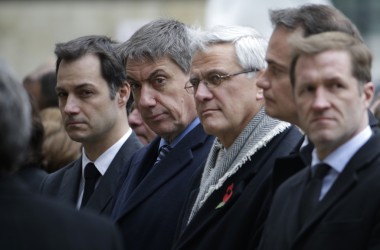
<point>337,86</point>
<point>306,89</point>
<point>61,94</point>
<point>159,81</point>
<point>86,93</point>
<point>214,79</point>
<point>133,84</point>
<point>194,82</point>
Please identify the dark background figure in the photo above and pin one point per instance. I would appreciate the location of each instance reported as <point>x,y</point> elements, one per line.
<point>58,148</point>
<point>28,220</point>
<point>142,130</point>
<point>40,84</point>
<point>31,170</point>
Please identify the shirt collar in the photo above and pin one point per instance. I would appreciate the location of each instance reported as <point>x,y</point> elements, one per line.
<point>104,160</point>
<point>339,158</point>
<point>190,127</point>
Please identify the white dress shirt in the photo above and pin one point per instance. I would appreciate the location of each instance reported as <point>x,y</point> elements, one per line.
<point>102,162</point>
<point>339,158</point>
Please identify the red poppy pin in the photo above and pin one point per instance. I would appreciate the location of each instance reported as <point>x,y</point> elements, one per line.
<point>226,196</point>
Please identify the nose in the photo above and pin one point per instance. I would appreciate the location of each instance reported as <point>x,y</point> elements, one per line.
<point>262,80</point>
<point>146,97</point>
<point>202,92</point>
<point>71,107</point>
<point>321,100</point>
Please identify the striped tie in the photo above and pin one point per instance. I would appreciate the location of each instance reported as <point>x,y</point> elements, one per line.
<point>164,150</point>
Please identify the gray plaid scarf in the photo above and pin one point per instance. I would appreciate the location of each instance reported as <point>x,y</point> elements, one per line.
<point>223,163</point>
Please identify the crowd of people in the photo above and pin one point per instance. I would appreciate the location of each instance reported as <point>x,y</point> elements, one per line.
<point>188,138</point>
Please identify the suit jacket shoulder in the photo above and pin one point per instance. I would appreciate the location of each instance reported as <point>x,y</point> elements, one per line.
<point>150,195</point>
<point>239,208</point>
<point>30,221</point>
<point>64,183</point>
<point>346,218</point>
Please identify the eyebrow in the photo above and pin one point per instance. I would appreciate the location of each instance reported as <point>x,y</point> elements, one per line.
<point>83,85</point>
<point>151,75</point>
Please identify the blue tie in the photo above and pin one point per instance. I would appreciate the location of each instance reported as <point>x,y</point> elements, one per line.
<point>164,150</point>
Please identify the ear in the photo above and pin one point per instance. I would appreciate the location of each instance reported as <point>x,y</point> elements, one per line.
<point>368,92</point>
<point>123,94</point>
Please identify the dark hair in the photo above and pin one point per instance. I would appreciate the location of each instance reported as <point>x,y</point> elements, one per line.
<point>159,38</point>
<point>34,157</point>
<point>361,57</point>
<point>111,64</point>
<point>15,122</point>
<point>314,19</point>
<point>48,94</point>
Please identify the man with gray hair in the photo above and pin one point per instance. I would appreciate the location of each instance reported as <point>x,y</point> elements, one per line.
<point>157,60</point>
<point>29,221</point>
<point>230,198</point>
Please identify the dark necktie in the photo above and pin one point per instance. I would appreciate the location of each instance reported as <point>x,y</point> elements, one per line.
<point>164,150</point>
<point>310,197</point>
<point>91,175</point>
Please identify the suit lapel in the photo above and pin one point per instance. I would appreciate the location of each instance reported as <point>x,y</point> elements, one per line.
<point>68,190</point>
<point>109,182</point>
<point>345,181</point>
<point>166,169</point>
<point>208,213</point>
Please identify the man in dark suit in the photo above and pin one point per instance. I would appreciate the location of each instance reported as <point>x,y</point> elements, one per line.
<point>279,102</point>
<point>331,77</point>
<point>92,94</point>
<point>27,220</point>
<point>158,60</point>
<point>230,200</point>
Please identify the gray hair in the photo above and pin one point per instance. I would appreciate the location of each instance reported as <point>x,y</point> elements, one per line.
<point>157,39</point>
<point>15,121</point>
<point>314,19</point>
<point>250,46</point>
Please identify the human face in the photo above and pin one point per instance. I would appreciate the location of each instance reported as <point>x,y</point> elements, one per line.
<point>275,81</point>
<point>331,106</point>
<point>89,114</point>
<point>143,132</point>
<point>159,94</point>
<point>226,109</point>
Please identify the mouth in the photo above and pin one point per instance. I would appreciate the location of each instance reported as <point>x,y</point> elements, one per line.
<point>321,119</point>
<point>208,111</point>
<point>155,117</point>
<point>73,123</point>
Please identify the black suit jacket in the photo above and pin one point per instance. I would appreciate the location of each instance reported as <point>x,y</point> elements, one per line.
<point>289,165</point>
<point>238,224</point>
<point>31,221</point>
<point>346,218</point>
<point>64,183</point>
<point>151,199</point>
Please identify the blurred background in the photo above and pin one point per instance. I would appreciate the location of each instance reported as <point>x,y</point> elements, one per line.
<point>30,29</point>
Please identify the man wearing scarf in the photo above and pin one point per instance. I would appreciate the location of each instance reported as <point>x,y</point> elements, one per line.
<point>230,198</point>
